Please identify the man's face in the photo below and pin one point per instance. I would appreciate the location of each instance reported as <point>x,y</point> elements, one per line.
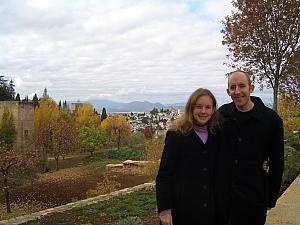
<point>239,90</point>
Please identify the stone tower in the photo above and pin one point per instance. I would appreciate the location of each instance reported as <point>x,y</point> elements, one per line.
<point>23,113</point>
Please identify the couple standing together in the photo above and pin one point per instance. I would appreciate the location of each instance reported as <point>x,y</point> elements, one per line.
<point>221,167</point>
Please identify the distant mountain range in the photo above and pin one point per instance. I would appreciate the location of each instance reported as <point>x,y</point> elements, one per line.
<point>135,106</point>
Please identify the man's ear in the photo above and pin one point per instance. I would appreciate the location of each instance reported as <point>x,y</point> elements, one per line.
<point>227,90</point>
<point>251,88</point>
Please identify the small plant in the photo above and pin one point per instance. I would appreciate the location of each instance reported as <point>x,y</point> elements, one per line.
<point>106,186</point>
<point>154,149</point>
<point>130,221</point>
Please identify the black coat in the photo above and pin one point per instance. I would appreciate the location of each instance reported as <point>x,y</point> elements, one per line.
<point>244,188</point>
<point>184,180</point>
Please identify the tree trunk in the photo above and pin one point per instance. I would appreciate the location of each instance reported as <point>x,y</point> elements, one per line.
<point>6,192</point>
<point>275,95</point>
<point>56,163</point>
<point>119,139</point>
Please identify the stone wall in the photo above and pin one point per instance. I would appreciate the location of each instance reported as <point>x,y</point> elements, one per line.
<point>23,113</point>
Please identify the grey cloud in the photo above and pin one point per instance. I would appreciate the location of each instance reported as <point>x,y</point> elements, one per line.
<point>116,49</point>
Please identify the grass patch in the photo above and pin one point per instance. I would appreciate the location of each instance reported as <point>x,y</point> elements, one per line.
<point>125,154</point>
<point>137,204</point>
<point>100,162</point>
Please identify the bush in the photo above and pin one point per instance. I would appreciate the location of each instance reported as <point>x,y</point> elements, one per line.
<point>154,148</point>
<point>292,164</point>
<point>106,186</point>
<point>126,154</point>
<point>293,140</point>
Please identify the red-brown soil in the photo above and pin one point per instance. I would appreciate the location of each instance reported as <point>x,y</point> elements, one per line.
<point>69,184</point>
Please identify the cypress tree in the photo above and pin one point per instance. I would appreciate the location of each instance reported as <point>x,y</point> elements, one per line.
<point>103,114</point>
<point>35,101</point>
<point>18,98</point>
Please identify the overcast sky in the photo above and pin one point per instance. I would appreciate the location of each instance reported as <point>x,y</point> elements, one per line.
<point>121,50</point>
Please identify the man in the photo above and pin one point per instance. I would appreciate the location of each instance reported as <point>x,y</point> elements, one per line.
<point>251,161</point>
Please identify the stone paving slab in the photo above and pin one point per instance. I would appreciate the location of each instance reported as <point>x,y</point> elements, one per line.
<point>85,202</point>
<point>287,210</point>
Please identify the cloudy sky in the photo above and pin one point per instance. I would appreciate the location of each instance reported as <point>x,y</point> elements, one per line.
<point>121,50</point>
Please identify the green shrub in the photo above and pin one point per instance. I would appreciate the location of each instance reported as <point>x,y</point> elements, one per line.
<point>130,221</point>
<point>126,154</point>
<point>92,158</point>
<point>292,164</point>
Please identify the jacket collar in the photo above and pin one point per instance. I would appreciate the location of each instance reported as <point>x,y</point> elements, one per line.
<point>256,112</point>
<point>193,134</point>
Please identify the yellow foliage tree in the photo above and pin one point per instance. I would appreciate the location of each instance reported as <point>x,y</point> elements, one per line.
<point>117,127</point>
<point>289,111</point>
<point>85,116</point>
<point>153,149</point>
<point>44,115</point>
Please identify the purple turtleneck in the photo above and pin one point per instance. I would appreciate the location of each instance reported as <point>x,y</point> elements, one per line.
<point>202,132</point>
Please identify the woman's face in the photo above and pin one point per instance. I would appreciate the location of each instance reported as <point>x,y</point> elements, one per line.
<point>203,110</point>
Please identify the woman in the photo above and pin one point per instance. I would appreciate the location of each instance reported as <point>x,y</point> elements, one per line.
<point>184,180</point>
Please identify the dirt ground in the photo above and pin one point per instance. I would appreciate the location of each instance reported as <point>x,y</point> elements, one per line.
<point>69,184</point>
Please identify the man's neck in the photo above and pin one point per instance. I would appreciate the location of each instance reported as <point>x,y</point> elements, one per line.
<point>246,108</point>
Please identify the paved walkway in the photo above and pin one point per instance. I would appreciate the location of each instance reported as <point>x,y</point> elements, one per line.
<point>287,210</point>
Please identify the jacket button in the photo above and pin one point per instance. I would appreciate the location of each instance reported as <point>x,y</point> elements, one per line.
<point>204,187</point>
<point>236,161</point>
<point>240,139</point>
<point>204,169</point>
<point>204,152</point>
<point>205,205</point>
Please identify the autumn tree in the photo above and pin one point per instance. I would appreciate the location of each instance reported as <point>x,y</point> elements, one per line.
<point>63,137</point>
<point>291,84</point>
<point>11,163</point>
<point>149,132</point>
<point>9,158</point>
<point>92,138</point>
<point>153,149</point>
<point>262,37</point>
<point>118,128</point>
<point>85,116</point>
<point>289,111</point>
<point>44,116</point>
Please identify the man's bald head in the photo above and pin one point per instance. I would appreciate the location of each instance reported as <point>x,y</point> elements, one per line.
<point>240,73</point>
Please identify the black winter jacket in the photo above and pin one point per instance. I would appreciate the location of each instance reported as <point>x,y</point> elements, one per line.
<point>184,180</point>
<point>244,188</point>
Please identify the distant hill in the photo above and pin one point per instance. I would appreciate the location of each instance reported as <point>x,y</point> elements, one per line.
<point>135,106</point>
<point>99,104</point>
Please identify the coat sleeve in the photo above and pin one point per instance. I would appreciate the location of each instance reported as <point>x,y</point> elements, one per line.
<point>166,172</point>
<point>276,162</point>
